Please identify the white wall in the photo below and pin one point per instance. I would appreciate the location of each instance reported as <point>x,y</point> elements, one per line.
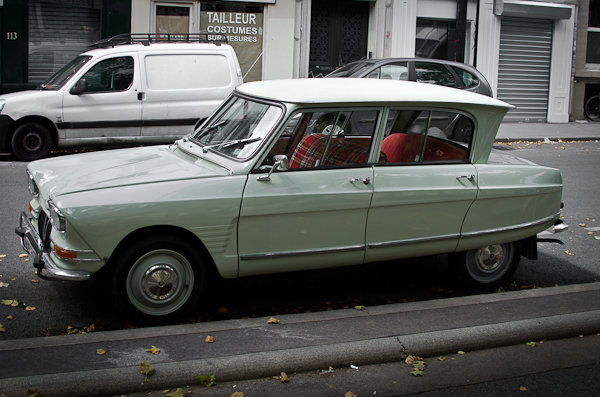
<point>278,40</point>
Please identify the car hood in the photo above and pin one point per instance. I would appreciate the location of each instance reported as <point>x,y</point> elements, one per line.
<point>114,168</point>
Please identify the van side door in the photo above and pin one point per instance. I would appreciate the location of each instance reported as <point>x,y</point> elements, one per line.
<point>104,103</point>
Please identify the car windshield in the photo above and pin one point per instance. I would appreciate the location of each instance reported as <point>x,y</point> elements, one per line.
<point>351,70</point>
<point>238,128</point>
<point>59,78</point>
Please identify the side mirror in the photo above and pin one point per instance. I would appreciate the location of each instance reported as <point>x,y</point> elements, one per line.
<point>281,162</point>
<point>80,87</point>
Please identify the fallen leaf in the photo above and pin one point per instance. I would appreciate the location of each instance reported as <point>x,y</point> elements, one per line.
<point>2,329</point>
<point>223,310</point>
<point>23,256</point>
<point>461,352</point>
<point>30,308</point>
<point>100,351</point>
<point>4,284</point>
<point>177,393</point>
<point>9,302</point>
<point>285,378</point>
<point>238,394</point>
<point>9,317</point>
<point>209,339</point>
<point>359,307</point>
<point>531,344</point>
<point>33,393</point>
<point>146,369</point>
<point>350,394</point>
<point>35,281</point>
<point>440,358</point>
<point>273,320</point>
<point>417,372</point>
<point>582,224</point>
<point>523,388</point>
<point>153,350</point>
<point>207,381</point>
<point>597,237</point>
<point>3,256</point>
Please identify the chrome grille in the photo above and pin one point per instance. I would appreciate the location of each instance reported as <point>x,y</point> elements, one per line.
<point>44,228</point>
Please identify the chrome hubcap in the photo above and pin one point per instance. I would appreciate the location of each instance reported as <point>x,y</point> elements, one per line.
<point>489,258</point>
<point>160,282</point>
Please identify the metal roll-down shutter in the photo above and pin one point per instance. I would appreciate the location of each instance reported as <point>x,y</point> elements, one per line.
<point>524,67</point>
<point>58,32</point>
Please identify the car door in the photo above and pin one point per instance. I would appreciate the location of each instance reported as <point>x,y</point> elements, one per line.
<point>110,106</point>
<point>313,214</point>
<point>423,186</point>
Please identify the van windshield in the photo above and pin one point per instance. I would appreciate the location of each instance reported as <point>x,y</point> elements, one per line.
<point>59,78</point>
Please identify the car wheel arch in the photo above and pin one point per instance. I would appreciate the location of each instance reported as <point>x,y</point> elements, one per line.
<point>42,121</point>
<point>145,232</point>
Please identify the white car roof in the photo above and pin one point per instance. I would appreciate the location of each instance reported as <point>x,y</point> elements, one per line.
<point>347,90</point>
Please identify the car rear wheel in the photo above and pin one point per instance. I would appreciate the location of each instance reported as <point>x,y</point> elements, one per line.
<point>31,141</point>
<point>158,280</point>
<point>487,267</point>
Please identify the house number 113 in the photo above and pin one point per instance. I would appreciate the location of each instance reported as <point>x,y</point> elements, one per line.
<point>11,35</point>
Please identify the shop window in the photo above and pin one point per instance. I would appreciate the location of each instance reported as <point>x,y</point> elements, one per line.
<point>172,19</point>
<point>593,36</point>
<point>433,38</point>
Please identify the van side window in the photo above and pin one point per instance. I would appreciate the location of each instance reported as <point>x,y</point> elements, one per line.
<point>115,74</point>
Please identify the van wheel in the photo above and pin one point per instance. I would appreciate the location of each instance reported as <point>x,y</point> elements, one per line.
<point>31,141</point>
<point>158,280</point>
<point>486,268</point>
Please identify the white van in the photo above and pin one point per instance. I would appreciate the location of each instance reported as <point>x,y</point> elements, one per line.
<point>134,88</point>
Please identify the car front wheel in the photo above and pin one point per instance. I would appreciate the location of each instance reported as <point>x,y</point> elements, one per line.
<point>158,280</point>
<point>486,268</point>
<point>31,141</point>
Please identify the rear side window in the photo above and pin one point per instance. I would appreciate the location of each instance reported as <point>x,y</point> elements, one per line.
<point>426,136</point>
<point>434,73</point>
<point>180,72</point>
<point>467,78</point>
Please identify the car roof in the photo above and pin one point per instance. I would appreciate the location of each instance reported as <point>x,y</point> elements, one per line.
<point>330,91</point>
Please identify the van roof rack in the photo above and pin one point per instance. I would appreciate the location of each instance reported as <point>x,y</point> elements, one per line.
<point>148,38</point>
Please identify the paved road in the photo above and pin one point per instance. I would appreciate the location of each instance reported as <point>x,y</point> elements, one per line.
<point>60,305</point>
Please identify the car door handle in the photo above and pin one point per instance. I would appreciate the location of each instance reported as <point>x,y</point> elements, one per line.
<point>470,177</point>
<point>366,180</point>
<point>141,96</point>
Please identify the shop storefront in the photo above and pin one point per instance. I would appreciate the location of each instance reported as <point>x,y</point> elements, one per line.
<point>240,21</point>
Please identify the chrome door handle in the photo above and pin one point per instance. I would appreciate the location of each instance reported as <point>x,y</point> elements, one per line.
<point>366,180</point>
<point>470,177</point>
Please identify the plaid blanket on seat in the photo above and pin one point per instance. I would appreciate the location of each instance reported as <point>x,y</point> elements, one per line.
<point>311,147</point>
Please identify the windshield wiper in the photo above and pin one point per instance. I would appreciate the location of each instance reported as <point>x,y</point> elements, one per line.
<point>230,143</point>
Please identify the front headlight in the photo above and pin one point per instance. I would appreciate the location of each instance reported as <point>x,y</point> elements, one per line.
<point>56,217</point>
<point>33,189</point>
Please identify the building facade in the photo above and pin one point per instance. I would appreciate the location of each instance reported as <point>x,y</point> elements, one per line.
<point>525,48</point>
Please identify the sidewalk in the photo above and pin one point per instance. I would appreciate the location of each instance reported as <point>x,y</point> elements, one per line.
<point>577,131</point>
<point>251,348</point>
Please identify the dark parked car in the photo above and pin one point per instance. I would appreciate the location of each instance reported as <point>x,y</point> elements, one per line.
<point>421,70</point>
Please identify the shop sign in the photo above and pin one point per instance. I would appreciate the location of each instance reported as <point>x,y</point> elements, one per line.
<point>244,33</point>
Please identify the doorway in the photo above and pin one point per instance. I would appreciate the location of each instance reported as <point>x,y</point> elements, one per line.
<point>338,34</point>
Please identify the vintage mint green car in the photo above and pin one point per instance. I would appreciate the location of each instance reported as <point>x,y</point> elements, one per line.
<point>293,175</point>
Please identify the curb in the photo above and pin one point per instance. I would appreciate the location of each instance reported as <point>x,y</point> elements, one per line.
<point>127,379</point>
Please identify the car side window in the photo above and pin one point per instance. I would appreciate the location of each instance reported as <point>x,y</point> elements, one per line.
<point>434,73</point>
<point>467,78</point>
<point>110,75</point>
<point>314,139</point>
<point>392,71</point>
<point>426,136</point>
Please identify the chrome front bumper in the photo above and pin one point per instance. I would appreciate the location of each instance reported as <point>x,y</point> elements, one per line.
<point>33,245</point>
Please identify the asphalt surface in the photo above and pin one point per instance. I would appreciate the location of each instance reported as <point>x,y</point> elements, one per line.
<point>73,365</point>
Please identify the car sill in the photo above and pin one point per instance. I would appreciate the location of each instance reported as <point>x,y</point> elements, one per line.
<point>302,253</point>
